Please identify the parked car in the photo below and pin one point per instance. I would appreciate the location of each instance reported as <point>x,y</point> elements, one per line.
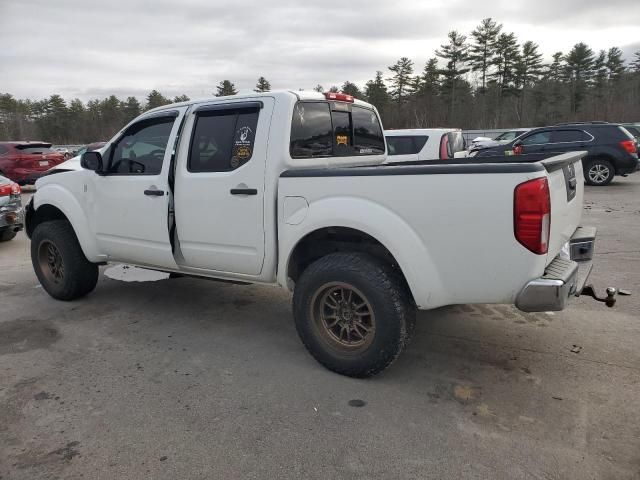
<point>11,213</point>
<point>407,145</point>
<point>292,189</point>
<point>24,162</point>
<point>611,149</point>
<point>504,137</point>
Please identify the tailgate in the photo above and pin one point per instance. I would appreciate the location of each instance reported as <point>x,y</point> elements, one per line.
<point>566,187</point>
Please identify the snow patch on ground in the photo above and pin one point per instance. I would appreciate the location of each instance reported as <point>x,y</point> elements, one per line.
<point>129,273</point>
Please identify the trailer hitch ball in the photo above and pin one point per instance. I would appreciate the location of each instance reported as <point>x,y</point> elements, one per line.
<point>609,300</point>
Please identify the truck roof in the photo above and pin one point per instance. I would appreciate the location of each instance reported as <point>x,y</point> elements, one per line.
<point>288,94</point>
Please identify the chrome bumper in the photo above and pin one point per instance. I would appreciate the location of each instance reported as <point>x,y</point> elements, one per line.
<point>563,278</point>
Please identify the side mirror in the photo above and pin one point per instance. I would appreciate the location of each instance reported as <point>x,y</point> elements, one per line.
<point>91,161</point>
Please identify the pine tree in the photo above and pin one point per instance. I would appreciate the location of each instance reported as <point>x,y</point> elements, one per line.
<point>376,92</point>
<point>528,71</point>
<point>263,85</point>
<point>455,53</point>
<point>401,80</point>
<point>429,81</point>
<point>506,59</point>
<point>225,88</point>
<point>156,99</point>
<point>579,73</point>
<point>181,98</point>
<point>318,88</point>
<point>482,50</point>
<point>352,89</point>
<point>130,108</point>
<point>634,66</point>
<point>334,89</point>
<point>615,63</point>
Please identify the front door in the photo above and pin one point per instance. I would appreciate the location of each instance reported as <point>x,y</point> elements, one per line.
<point>220,186</point>
<point>130,202</point>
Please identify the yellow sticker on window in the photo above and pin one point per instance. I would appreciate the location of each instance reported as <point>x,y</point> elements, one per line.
<point>342,139</point>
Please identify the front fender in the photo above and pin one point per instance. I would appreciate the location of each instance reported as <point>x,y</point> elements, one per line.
<point>386,226</point>
<point>65,201</point>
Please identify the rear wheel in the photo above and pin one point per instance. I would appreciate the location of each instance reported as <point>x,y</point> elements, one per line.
<point>6,235</point>
<point>60,265</point>
<point>353,313</point>
<point>599,172</point>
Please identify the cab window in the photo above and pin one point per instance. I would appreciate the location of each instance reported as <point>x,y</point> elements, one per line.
<point>141,150</point>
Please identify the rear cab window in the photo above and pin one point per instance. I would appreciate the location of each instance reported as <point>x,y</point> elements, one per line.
<point>334,129</point>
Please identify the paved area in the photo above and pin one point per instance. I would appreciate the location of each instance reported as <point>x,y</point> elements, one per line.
<point>187,379</point>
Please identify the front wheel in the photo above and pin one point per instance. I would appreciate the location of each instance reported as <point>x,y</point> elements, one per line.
<point>60,265</point>
<point>353,313</point>
<point>599,172</point>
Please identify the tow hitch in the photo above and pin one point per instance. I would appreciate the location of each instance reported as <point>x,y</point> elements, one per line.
<point>609,300</point>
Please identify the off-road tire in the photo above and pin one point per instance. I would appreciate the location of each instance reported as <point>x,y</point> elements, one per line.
<point>8,234</point>
<point>79,276</point>
<point>593,172</point>
<point>387,296</point>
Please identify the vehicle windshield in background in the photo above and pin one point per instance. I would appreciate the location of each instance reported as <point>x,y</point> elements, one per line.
<point>31,149</point>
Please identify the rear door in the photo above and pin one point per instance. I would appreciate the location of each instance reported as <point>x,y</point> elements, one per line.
<point>569,140</point>
<point>219,188</point>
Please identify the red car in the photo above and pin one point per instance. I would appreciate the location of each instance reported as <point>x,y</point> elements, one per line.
<point>24,162</point>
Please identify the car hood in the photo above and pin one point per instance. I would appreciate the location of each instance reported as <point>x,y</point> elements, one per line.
<point>69,165</point>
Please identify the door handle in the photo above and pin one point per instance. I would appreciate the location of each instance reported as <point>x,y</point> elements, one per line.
<point>154,193</point>
<point>244,191</point>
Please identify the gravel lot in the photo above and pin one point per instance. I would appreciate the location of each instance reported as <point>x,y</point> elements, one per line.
<point>182,379</point>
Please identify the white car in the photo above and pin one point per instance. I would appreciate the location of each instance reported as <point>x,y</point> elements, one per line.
<point>292,189</point>
<point>416,144</point>
<point>505,137</point>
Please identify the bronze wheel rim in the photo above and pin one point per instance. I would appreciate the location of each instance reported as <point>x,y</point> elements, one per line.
<point>343,316</point>
<point>50,261</point>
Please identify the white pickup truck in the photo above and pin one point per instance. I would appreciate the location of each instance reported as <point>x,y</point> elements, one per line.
<point>293,189</point>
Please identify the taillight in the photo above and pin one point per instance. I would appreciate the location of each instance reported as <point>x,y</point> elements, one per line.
<point>629,145</point>
<point>444,153</point>
<point>532,215</point>
<point>341,97</point>
<point>9,189</point>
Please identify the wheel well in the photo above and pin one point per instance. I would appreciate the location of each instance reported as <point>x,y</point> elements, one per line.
<point>322,242</point>
<point>43,214</point>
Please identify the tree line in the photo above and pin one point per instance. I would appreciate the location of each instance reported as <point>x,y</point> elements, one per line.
<point>488,79</point>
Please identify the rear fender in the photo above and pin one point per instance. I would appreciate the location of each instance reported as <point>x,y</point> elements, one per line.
<point>384,225</point>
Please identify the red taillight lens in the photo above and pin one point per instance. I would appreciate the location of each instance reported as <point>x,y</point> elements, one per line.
<point>341,97</point>
<point>9,189</point>
<point>444,153</point>
<point>629,145</point>
<point>532,215</point>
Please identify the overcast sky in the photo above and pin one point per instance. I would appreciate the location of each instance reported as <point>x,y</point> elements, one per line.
<point>93,48</point>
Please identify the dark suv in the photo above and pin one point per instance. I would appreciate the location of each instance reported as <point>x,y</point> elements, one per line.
<point>611,149</point>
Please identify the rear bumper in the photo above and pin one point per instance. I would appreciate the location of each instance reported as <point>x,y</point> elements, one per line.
<point>563,278</point>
